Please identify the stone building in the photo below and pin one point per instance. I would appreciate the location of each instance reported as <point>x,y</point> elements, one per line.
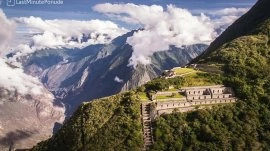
<point>198,93</point>
<point>211,92</point>
<point>221,92</point>
<point>171,104</point>
<point>196,97</point>
<point>168,107</point>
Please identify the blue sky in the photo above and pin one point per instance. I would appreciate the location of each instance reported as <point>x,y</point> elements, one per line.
<point>82,9</point>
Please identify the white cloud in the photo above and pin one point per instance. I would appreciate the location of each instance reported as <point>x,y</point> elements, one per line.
<point>162,28</point>
<point>224,17</point>
<point>67,33</point>
<point>6,32</point>
<point>15,79</point>
<point>230,11</point>
<point>117,79</point>
<point>131,13</point>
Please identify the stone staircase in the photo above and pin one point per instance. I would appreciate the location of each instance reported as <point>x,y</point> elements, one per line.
<point>147,127</point>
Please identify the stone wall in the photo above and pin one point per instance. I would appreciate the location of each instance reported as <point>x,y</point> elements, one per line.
<point>169,107</point>
<point>199,91</point>
<point>171,104</point>
<point>166,92</point>
<point>221,90</point>
<point>215,96</point>
<point>172,99</point>
<point>198,97</point>
<point>207,93</point>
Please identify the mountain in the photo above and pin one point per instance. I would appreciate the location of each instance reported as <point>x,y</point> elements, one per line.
<point>77,75</point>
<point>242,27</point>
<point>26,119</point>
<point>244,60</point>
<point>243,53</point>
<point>111,123</point>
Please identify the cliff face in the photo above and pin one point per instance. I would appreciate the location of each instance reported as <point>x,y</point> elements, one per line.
<point>27,119</point>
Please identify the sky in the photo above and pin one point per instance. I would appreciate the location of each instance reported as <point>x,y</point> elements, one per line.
<point>81,9</point>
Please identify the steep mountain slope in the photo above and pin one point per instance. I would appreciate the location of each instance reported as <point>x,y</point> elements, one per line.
<point>78,75</point>
<point>111,123</point>
<point>244,126</point>
<point>243,26</point>
<point>27,119</point>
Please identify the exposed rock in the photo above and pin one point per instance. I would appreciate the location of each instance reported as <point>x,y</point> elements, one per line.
<point>27,119</point>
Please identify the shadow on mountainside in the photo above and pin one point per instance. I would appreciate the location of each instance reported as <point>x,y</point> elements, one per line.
<point>12,137</point>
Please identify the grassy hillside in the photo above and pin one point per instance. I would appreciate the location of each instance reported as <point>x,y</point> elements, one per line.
<point>244,126</point>
<point>111,123</point>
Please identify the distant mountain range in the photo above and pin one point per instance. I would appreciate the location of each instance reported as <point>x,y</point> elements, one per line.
<point>77,75</point>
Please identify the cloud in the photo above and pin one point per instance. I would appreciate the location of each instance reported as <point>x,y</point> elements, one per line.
<point>131,13</point>
<point>11,77</point>
<point>16,85</point>
<point>6,32</point>
<point>15,79</point>
<point>67,33</point>
<point>224,17</point>
<point>230,11</point>
<point>117,79</point>
<point>161,28</point>
<point>20,85</point>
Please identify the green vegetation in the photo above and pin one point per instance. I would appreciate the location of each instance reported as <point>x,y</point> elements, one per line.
<point>202,79</point>
<point>197,78</point>
<point>172,89</point>
<point>211,68</point>
<point>244,126</point>
<point>174,95</point>
<point>142,96</point>
<point>180,71</point>
<point>112,123</point>
<point>162,84</point>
